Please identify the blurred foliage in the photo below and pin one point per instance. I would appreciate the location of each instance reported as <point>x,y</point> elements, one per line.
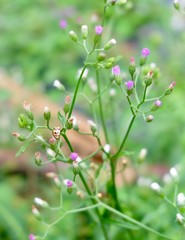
<point>35,50</point>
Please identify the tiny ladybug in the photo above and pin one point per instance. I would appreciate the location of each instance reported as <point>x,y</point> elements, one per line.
<point>56,132</point>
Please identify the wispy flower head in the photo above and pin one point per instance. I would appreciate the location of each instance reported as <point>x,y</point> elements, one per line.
<point>116,70</point>
<point>32,237</point>
<point>73,156</point>
<point>129,85</point>
<point>181,200</point>
<point>145,52</point>
<point>63,23</point>
<point>98,30</point>
<point>68,183</point>
<point>158,103</point>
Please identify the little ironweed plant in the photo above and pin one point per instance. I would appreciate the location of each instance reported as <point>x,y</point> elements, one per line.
<point>101,192</point>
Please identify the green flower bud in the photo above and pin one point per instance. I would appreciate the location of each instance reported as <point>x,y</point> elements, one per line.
<point>73,36</point>
<point>84,31</point>
<point>47,114</point>
<point>101,56</point>
<point>22,121</point>
<point>110,44</point>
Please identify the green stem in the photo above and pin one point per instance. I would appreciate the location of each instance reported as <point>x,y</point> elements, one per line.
<point>100,107</point>
<point>76,92</point>
<point>124,216</point>
<point>89,192</point>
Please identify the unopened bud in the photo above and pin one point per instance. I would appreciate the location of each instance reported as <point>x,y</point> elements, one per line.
<point>157,104</point>
<point>73,36</point>
<point>38,160</point>
<point>47,114</point>
<point>110,44</point>
<point>36,212</point>
<point>57,84</point>
<point>22,121</point>
<point>176,4</point>
<point>142,155</point>
<point>174,174</point>
<point>20,137</point>
<point>75,124</point>
<point>41,203</point>
<point>27,107</point>
<point>101,56</point>
<point>67,104</point>
<point>157,189</point>
<point>170,88</point>
<point>132,67</point>
<point>84,31</point>
<point>149,118</point>
<point>92,126</point>
<point>180,219</point>
<point>181,202</point>
<point>69,123</point>
<point>149,76</point>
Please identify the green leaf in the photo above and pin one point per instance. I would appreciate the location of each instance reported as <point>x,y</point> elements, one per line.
<point>23,148</point>
<point>61,118</point>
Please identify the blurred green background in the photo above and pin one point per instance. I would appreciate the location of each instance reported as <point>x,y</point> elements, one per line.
<point>35,50</point>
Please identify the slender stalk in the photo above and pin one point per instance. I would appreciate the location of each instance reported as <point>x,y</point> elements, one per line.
<point>89,193</point>
<point>100,107</point>
<point>124,216</point>
<point>76,92</point>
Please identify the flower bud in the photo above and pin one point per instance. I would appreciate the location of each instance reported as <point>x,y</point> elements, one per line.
<point>176,4</point>
<point>110,44</point>
<point>117,74</point>
<point>144,54</point>
<point>38,160</point>
<point>36,213</point>
<point>142,155</point>
<point>157,104</point>
<point>174,174</point>
<point>132,67</point>
<point>84,31</point>
<point>57,84</point>
<point>149,76</point>
<point>22,121</point>
<point>181,202</point>
<point>69,184</point>
<point>101,56</point>
<point>73,36</point>
<point>180,219</point>
<point>92,126</point>
<point>20,137</point>
<point>75,124</point>
<point>69,123</point>
<point>170,88</point>
<point>130,87</point>
<point>27,107</point>
<point>32,237</point>
<point>67,104</point>
<point>41,203</point>
<point>149,118</point>
<point>47,114</point>
<point>157,189</point>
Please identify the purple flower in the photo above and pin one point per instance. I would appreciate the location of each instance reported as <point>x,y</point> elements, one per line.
<point>145,52</point>
<point>73,156</point>
<point>129,85</point>
<point>63,23</point>
<point>172,85</point>
<point>68,183</point>
<point>32,237</point>
<point>98,30</point>
<point>116,70</point>
<point>157,103</point>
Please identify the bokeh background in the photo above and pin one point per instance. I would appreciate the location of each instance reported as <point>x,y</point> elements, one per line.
<point>35,50</point>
